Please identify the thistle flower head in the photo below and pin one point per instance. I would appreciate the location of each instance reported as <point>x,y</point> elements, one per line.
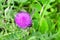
<point>23,19</point>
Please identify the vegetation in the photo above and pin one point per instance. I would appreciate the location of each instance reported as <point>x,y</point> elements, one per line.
<point>45,16</point>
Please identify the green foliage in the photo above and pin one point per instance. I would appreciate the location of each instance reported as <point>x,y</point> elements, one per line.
<point>43,26</point>
<point>45,16</point>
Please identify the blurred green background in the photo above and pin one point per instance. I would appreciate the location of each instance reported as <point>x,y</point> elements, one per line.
<point>45,16</point>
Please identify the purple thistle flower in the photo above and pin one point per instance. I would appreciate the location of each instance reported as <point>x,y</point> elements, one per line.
<point>23,19</point>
